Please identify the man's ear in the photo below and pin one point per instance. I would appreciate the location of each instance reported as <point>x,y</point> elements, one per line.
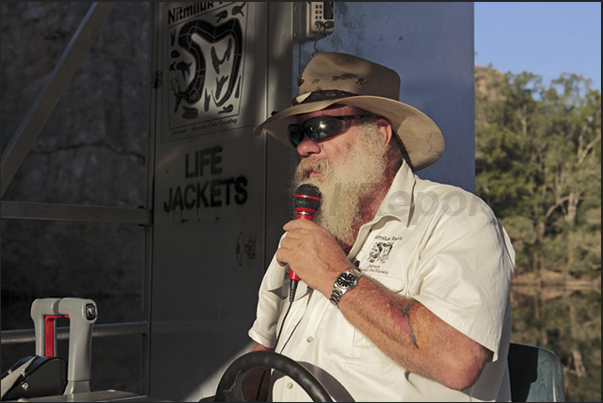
<point>385,128</point>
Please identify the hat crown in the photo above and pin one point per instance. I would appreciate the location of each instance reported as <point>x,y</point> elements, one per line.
<point>340,79</point>
<point>342,72</point>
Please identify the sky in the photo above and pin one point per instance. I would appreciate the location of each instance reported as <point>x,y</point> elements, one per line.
<point>546,39</point>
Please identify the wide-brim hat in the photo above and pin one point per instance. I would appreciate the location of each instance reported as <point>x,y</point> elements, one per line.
<point>341,79</point>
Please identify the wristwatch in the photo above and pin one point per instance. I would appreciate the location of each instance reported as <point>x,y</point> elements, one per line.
<point>344,283</point>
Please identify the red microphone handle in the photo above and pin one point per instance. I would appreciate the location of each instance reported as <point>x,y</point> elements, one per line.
<point>306,214</point>
<point>305,208</point>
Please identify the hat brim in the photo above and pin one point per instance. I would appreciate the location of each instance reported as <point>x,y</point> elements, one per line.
<point>421,137</point>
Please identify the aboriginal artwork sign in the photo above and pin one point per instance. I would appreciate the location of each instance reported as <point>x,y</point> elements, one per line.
<point>204,62</point>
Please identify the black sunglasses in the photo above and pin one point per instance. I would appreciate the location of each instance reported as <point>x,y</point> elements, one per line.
<point>321,128</point>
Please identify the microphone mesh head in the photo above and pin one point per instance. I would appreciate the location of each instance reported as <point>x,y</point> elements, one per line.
<point>310,202</point>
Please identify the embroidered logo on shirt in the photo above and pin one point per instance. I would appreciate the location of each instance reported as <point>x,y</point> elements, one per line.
<point>380,252</point>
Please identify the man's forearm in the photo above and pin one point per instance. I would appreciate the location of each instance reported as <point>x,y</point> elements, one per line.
<point>412,336</point>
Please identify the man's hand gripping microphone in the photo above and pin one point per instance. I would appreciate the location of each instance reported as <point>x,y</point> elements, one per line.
<point>307,200</point>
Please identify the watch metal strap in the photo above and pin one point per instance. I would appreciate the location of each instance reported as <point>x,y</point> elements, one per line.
<point>336,296</point>
<point>338,292</point>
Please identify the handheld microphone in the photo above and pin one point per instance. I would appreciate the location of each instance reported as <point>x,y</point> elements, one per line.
<point>307,200</point>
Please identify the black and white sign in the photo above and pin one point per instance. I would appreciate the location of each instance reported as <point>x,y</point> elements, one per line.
<point>204,62</point>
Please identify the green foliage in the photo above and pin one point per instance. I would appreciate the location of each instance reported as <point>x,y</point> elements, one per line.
<point>538,165</point>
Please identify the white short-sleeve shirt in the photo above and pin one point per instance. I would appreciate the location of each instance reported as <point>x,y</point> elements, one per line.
<point>432,242</point>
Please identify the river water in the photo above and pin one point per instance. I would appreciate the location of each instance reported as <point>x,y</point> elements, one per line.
<point>565,319</point>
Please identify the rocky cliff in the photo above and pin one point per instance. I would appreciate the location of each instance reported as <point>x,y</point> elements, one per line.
<point>92,149</point>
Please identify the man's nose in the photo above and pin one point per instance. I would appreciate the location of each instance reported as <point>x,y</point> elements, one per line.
<point>307,147</point>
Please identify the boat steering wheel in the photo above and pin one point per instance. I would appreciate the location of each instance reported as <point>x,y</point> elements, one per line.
<point>230,388</point>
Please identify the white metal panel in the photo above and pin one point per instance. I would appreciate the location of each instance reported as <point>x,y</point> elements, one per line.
<point>430,45</point>
<point>208,247</point>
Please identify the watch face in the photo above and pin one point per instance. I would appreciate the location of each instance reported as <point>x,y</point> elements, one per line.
<point>346,280</point>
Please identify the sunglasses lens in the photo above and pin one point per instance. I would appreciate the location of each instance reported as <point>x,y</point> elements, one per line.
<point>320,128</point>
<point>295,134</point>
<point>323,127</point>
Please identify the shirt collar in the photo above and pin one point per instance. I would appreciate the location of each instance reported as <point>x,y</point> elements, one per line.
<point>399,200</point>
<point>397,205</point>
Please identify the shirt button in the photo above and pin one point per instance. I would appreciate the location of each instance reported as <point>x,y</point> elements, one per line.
<point>290,385</point>
<point>310,339</point>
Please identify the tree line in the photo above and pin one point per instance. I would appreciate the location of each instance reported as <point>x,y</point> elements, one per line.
<point>538,165</point>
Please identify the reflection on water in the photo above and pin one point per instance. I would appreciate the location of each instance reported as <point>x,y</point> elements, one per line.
<point>565,319</point>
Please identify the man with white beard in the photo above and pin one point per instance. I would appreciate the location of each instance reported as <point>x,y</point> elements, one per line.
<point>357,176</point>
<point>404,282</point>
